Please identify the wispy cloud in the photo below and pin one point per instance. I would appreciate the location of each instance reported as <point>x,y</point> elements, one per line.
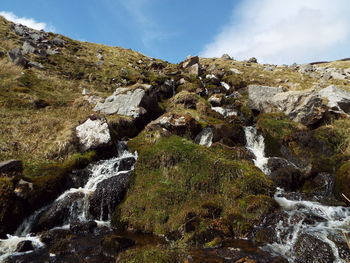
<point>29,22</point>
<point>285,31</point>
<point>151,30</point>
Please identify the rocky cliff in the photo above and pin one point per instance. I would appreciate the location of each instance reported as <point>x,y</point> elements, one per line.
<point>65,104</point>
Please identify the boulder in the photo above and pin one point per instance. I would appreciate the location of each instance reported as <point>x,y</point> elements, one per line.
<point>229,134</point>
<point>226,112</point>
<point>25,246</point>
<point>284,174</point>
<point>35,65</point>
<point>129,102</point>
<point>108,194</point>
<point>11,167</point>
<point>190,61</point>
<point>311,249</point>
<point>338,99</point>
<point>226,57</point>
<point>58,42</point>
<point>16,56</point>
<point>252,60</point>
<point>216,99</point>
<point>27,48</point>
<point>306,107</point>
<point>93,134</point>
<point>60,212</point>
<point>176,124</point>
<point>82,227</point>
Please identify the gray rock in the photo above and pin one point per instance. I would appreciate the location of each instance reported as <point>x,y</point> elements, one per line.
<point>190,62</point>
<point>27,48</point>
<point>194,69</point>
<point>338,75</point>
<point>52,51</point>
<point>125,101</point>
<point>306,68</point>
<point>305,106</point>
<point>338,99</point>
<point>236,71</point>
<point>35,65</point>
<point>58,42</point>
<point>16,57</point>
<point>11,166</point>
<point>93,134</point>
<point>259,96</point>
<point>226,112</point>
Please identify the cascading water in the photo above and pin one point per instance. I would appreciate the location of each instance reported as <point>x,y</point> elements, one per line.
<point>256,144</point>
<point>79,209</point>
<point>325,223</point>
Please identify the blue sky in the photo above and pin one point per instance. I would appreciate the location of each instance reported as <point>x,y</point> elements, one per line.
<point>274,31</point>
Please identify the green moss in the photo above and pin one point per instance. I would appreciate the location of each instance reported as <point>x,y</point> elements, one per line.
<point>342,181</point>
<point>176,177</point>
<point>277,125</point>
<point>149,254</point>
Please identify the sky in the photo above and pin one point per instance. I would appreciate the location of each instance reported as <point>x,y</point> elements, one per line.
<point>273,31</point>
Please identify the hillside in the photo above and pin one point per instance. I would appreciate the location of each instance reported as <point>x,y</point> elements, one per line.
<point>214,138</point>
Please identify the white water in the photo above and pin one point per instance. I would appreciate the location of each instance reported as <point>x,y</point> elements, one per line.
<point>335,219</point>
<point>256,144</point>
<point>99,172</point>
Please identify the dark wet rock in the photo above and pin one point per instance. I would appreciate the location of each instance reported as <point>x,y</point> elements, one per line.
<point>311,249</point>
<point>126,164</point>
<point>109,193</point>
<point>284,174</point>
<point>49,237</point>
<point>78,178</point>
<point>82,227</point>
<point>59,212</point>
<point>11,167</point>
<point>229,134</point>
<point>25,246</point>
<point>113,244</point>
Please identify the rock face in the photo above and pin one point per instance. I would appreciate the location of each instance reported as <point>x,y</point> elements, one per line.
<point>176,124</point>
<point>11,166</point>
<point>108,195</point>
<point>310,249</point>
<point>93,134</point>
<point>338,99</point>
<point>306,106</point>
<point>17,57</point>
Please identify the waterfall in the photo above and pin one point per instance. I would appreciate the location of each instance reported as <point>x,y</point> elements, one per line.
<point>303,217</point>
<point>256,144</point>
<point>99,172</point>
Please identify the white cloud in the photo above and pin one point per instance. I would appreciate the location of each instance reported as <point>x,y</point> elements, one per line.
<point>29,22</point>
<point>287,31</point>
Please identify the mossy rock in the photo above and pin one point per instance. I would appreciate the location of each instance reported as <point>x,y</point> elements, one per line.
<point>342,182</point>
<point>150,254</point>
<point>175,177</point>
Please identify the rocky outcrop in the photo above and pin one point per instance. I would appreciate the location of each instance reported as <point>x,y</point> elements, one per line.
<point>109,193</point>
<point>306,107</point>
<point>93,134</point>
<point>11,167</point>
<point>338,100</point>
<point>176,124</point>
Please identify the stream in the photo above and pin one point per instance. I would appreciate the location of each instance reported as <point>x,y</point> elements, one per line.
<point>302,221</point>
